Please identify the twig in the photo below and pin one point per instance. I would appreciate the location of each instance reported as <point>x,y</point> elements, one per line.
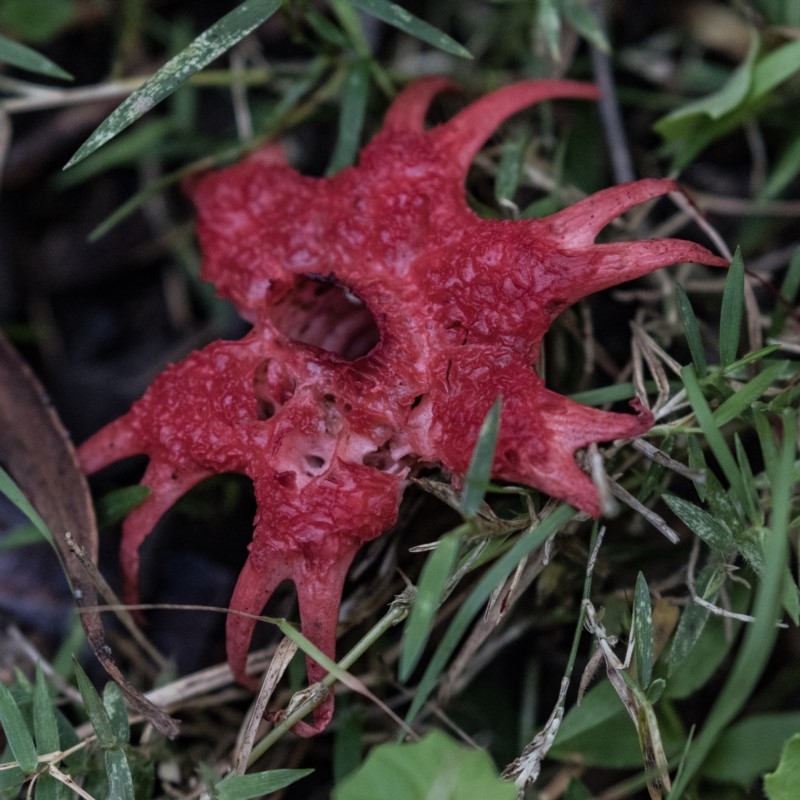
<point>658,522</point>
<point>660,457</point>
<point>108,593</point>
<point>280,661</point>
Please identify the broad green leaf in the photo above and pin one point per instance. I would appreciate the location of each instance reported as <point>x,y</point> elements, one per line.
<point>432,581</point>
<point>210,44</point>
<point>118,773</point>
<point>258,784</point>
<point>749,748</point>
<point>476,481</point>
<point>16,731</point>
<point>434,767</point>
<point>730,323</point>
<point>95,710</point>
<point>713,532</point>
<point>398,17</point>
<point>716,105</point>
<point>351,116</point>
<point>690,135</point>
<point>782,784</point>
<point>775,67</point>
<point>692,330</point>
<point>643,632</point>
<point>18,55</point>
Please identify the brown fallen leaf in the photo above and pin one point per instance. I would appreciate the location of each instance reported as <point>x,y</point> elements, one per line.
<point>36,452</point>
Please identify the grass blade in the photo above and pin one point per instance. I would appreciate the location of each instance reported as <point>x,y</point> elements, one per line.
<point>11,491</point>
<point>716,440</point>
<point>432,582</point>
<point>789,288</point>
<point>114,704</point>
<point>745,396</point>
<point>210,44</point>
<point>16,731</point>
<point>45,726</point>
<point>643,631</point>
<point>118,772</point>
<point>759,637</point>
<point>526,544</point>
<point>95,710</point>
<point>398,17</point>
<point>750,498</point>
<point>476,480</point>
<point>509,169</point>
<point>730,321</point>
<point>351,116</point>
<point>691,329</point>
<point>258,784</point>
<point>18,55</point>
<point>708,528</point>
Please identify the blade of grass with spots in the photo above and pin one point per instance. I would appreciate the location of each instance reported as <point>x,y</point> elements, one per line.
<point>212,43</point>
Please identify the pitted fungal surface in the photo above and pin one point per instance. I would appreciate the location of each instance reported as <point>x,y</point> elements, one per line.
<point>387,318</point>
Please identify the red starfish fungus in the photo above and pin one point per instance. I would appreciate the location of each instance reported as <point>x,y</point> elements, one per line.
<point>335,395</point>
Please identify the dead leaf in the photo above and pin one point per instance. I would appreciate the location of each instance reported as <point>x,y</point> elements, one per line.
<point>36,451</point>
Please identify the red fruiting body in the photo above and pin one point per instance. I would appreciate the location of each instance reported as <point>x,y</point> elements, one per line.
<point>334,396</point>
